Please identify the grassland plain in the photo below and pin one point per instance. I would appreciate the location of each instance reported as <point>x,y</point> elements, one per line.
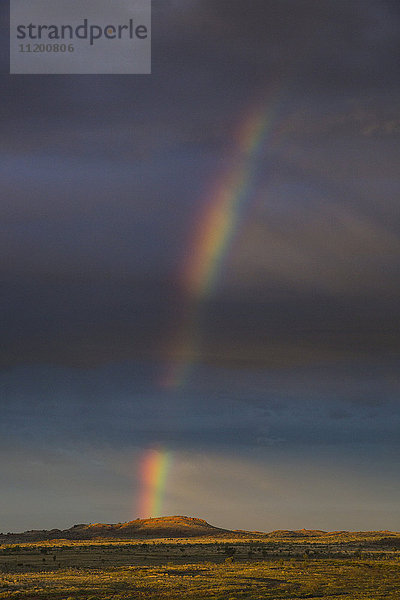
<point>345,566</point>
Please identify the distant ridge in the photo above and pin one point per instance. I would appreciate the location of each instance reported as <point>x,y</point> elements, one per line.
<point>158,527</point>
<point>184,527</point>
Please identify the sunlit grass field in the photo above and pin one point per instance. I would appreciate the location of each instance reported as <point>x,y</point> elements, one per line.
<point>198,570</point>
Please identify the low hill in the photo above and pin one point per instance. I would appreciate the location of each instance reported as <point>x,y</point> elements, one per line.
<point>162,527</point>
<point>191,527</point>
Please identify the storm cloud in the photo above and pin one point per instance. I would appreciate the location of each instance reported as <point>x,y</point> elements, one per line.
<point>104,180</point>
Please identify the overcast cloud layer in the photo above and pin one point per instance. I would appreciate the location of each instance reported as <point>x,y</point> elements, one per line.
<point>103,181</point>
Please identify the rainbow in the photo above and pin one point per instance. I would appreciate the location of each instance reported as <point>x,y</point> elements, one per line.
<point>223,212</point>
<point>212,239</point>
<point>154,468</point>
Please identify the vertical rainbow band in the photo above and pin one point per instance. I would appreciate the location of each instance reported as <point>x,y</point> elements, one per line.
<point>154,469</point>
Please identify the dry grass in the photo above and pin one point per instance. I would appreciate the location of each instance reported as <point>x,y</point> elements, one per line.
<point>171,569</point>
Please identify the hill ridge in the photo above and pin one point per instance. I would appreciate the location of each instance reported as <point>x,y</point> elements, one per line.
<point>177,526</point>
<point>153,527</point>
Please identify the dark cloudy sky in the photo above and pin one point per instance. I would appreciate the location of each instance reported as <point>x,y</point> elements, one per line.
<point>290,414</point>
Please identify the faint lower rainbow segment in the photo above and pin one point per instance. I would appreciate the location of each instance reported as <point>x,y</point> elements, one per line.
<point>153,472</point>
<point>211,241</point>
